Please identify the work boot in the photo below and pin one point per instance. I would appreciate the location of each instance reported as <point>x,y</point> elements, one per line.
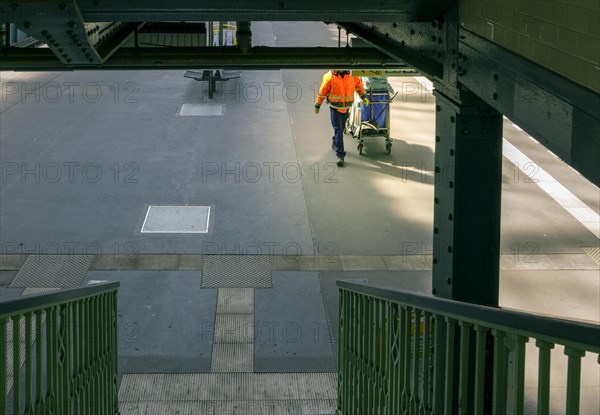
<point>340,162</point>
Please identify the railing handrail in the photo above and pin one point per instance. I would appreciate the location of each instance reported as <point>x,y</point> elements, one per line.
<point>542,326</point>
<point>42,300</point>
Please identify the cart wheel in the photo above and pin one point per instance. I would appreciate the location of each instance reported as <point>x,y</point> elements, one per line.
<point>388,148</point>
<point>360,149</point>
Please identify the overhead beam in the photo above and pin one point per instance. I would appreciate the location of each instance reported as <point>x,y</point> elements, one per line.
<point>257,10</point>
<point>395,47</point>
<point>214,57</point>
<point>60,25</point>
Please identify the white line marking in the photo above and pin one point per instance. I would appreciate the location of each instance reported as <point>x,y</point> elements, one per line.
<point>571,203</point>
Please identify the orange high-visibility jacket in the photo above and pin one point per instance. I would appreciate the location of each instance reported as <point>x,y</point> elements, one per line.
<point>339,91</point>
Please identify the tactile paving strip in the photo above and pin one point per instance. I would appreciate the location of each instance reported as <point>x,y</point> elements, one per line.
<point>232,357</point>
<point>236,271</point>
<point>234,328</point>
<point>235,301</point>
<point>593,252</point>
<point>52,271</point>
<point>275,407</point>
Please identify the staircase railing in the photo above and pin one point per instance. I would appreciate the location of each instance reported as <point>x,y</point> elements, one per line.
<point>407,353</point>
<point>58,352</point>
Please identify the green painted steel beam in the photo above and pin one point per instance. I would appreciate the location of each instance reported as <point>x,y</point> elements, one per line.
<point>226,57</point>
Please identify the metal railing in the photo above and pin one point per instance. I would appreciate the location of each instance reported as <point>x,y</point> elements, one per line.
<point>407,353</point>
<point>58,352</point>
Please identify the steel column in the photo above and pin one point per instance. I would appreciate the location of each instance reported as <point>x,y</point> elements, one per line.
<point>468,174</point>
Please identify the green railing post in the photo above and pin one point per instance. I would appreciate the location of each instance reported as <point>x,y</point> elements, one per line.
<point>88,353</point>
<point>394,391</point>
<point>113,339</point>
<point>342,370</point>
<point>449,380</point>
<point>40,342</point>
<point>516,382</point>
<point>463,374</point>
<point>63,359</point>
<point>28,407</point>
<point>499,400</point>
<point>367,359</point>
<point>16,364</point>
<point>480,343</point>
<point>406,358</point>
<point>543,400</point>
<point>77,347</point>
<point>573,379</point>
<point>438,365</point>
<point>425,405</point>
<point>414,402</point>
<point>3,369</point>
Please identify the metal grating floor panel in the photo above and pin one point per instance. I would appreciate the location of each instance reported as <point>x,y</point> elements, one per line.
<point>593,252</point>
<point>236,271</point>
<point>52,271</point>
<point>32,290</point>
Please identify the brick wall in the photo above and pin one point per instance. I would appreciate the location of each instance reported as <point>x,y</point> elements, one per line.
<point>561,35</point>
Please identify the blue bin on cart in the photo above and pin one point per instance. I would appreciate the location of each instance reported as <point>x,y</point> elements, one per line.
<point>375,112</point>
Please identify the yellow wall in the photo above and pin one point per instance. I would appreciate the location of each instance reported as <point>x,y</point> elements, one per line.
<point>561,35</point>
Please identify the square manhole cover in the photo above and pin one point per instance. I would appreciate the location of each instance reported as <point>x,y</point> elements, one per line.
<point>202,110</point>
<point>176,219</point>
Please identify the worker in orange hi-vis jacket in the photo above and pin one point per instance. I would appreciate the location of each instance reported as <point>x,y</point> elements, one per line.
<point>338,87</point>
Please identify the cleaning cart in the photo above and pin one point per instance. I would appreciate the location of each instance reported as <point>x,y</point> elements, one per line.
<point>374,119</point>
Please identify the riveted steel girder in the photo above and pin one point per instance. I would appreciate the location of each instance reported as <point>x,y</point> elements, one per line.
<point>258,10</point>
<point>60,25</point>
<point>211,57</point>
<point>468,188</point>
<point>395,46</point>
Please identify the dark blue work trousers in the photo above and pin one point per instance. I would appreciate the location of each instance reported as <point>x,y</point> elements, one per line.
<point>338,122</point>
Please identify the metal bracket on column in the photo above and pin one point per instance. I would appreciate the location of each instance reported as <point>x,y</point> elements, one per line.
<point>60,25</point>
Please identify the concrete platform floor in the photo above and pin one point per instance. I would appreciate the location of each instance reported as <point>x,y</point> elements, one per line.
<point>84,154</point>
